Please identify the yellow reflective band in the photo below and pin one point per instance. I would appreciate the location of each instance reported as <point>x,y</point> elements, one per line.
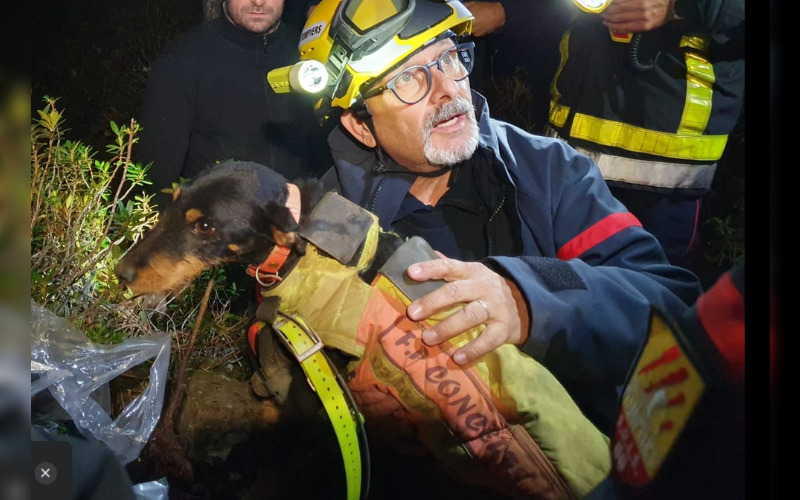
<point>307,349</point>
<point>558,114</point>
<point>699,89</point>
<point>695,42</point>
<point>563,49</point>
<point>641,140</point>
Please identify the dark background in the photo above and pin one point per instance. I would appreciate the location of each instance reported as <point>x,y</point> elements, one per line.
<point>95,57</point>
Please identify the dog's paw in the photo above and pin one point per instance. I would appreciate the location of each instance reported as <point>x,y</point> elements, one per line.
<point>268,309</point>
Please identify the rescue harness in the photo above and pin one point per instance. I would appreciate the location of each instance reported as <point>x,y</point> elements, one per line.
<point>503,421</point>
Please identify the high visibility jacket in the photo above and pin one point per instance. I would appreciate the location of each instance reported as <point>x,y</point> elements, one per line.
<point>587,269</point>
<point>503,421</point>
<point>660,123</point>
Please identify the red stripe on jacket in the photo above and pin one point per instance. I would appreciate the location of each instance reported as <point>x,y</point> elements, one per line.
<point>599,231</point>
<point>721,312</point>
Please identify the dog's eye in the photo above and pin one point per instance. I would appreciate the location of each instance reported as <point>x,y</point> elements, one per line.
<point>203,228</point>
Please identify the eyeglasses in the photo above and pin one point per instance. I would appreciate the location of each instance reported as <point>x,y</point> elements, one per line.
<point>413,84</point>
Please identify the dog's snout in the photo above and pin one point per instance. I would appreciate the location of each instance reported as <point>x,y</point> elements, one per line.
<point>125,272</point>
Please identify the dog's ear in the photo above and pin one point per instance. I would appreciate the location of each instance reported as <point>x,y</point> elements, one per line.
<point>284,228</point>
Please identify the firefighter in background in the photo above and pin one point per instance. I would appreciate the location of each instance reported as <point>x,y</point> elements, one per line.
<point>680,429</point>
<point>651,90</point>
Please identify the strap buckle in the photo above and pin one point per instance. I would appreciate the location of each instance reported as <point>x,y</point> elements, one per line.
<point>299,356</point>
<point>335,397</point>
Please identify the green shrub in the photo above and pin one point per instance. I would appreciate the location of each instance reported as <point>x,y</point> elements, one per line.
<point>81,218</point>
<point>86,211</point>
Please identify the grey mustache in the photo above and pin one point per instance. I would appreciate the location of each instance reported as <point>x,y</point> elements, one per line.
<point>447,111</point>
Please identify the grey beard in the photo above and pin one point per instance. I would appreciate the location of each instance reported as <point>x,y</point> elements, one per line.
<point>449,157</point>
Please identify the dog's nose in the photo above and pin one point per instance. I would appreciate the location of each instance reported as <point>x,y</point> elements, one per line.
<point>125,272</point>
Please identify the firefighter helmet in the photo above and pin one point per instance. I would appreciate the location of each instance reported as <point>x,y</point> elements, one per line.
<point>346,45</point>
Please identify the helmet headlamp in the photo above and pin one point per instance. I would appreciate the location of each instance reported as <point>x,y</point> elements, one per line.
<point>352,42</point>
<point>592,6</point>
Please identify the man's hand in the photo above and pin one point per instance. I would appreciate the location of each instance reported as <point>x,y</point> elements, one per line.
<point>489,17</point>
<point>637,15</point>
<point>488,299</point>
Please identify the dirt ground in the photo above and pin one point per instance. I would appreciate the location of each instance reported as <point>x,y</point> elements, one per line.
<point>224,433</point>
<point>212,456</point>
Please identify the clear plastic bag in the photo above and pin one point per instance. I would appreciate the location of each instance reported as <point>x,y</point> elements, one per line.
<point>152,490</point>
<point>72,367</point>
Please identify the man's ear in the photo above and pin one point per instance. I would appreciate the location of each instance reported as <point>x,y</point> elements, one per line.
<point>358,128</point>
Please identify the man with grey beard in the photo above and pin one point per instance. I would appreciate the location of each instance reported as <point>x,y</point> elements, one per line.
<point>533,244</point>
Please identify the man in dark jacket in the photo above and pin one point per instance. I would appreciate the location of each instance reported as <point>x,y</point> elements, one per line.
<point>207,100</point>
<point>680,431</point>
<point>536,247</point>
<point>653,102</point>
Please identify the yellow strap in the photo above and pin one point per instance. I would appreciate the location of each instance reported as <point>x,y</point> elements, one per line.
<point>307,348</point>
<point>699,92</point>
<point>563,49</point>
<point>558,114</point>
<point>695,42</point>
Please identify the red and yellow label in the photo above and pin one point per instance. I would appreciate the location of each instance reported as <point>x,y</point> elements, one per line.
<point>656,405</point>
<point>621,36</point>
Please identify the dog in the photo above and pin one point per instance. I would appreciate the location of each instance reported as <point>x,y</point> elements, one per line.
<point>236,212</point>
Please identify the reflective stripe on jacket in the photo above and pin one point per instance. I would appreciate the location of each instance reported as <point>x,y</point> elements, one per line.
<point>670,122</point>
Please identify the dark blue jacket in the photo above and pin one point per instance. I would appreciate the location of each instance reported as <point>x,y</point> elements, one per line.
<point>589,272</point>
<point>207,100</point>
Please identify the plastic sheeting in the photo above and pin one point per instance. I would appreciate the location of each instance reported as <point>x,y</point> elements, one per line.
<point>72,368</point>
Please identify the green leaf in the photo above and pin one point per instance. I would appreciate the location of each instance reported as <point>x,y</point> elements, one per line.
<point>36,278</point>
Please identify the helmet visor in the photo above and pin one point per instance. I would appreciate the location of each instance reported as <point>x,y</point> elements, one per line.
<point>365,15</point>
<point>365,25</point>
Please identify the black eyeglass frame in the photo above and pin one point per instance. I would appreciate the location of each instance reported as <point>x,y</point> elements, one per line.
<point>470,46</point>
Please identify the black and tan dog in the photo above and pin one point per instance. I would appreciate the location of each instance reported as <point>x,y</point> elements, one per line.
<point>239,212</point>
<point>233,212</point>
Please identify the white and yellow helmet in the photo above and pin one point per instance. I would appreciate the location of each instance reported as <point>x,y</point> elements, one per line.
<point>348,44</point>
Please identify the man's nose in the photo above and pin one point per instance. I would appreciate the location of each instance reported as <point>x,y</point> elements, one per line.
<point>442,85</point>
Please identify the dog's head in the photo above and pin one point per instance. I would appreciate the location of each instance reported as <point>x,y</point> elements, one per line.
<point>232,212</point>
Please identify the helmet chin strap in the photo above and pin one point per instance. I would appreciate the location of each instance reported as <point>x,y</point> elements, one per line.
<point>385,163</point>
